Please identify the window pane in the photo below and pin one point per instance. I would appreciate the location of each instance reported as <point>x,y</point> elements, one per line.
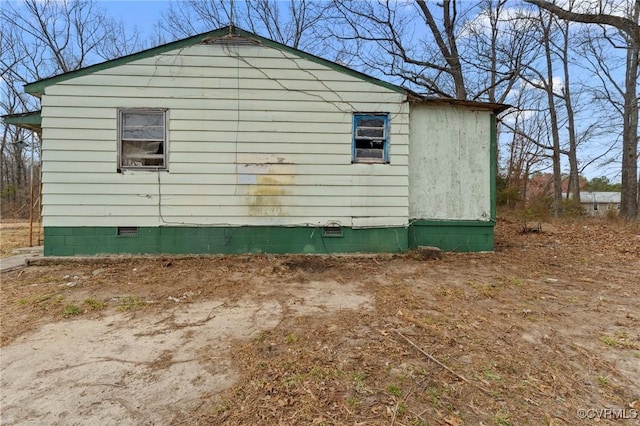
<point>150,132</point>
<point>142,119</point>
<point>369,153</point>
<point>371,122</point>
<point>142,154</point>
<point>370,132</point>
<point>367,148</point>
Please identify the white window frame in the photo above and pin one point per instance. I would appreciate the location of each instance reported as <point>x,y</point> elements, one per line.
<point>165,140</point>
<point>385,139</point>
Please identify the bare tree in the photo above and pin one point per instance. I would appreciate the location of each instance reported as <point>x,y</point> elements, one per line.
<point>41,39</point>
<point>628,28</point>
<point>289,22</point>
<point>456,49</point>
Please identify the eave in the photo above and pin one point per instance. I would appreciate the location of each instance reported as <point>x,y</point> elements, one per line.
<point>487,106</point>
<point>31,120</point>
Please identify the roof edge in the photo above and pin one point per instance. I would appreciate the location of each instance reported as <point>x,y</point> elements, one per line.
<point>31,120</point>
<point>491,106</point>
<point>36,88</point>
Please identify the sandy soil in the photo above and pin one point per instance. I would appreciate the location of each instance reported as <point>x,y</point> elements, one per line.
<point>544,331</point>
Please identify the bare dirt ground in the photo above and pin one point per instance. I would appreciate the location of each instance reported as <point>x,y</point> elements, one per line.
<point>546,330</point>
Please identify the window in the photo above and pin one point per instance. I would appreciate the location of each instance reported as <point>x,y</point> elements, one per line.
<point>370,138</point>
<point>142,141</point>
<point>595,207</point>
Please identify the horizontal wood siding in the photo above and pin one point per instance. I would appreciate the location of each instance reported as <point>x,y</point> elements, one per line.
<point>257,136</point>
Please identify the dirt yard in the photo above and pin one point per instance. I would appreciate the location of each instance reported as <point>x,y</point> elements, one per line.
<point>545,331</point>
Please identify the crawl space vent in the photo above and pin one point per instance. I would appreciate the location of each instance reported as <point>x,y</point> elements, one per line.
<point>332,231</point>
<point>128,231</point>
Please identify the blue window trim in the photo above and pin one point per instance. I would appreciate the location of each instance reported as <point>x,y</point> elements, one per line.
<point>385,151</point>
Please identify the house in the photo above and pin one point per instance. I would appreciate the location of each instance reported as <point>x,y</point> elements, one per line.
<point>600,203</point>
<point>228,142</point>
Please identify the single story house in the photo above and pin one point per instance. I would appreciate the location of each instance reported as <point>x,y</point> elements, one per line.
<point>599,203</point>
<point>228,142</point>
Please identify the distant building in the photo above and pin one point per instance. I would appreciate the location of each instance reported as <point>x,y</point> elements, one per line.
<point>600,203</point>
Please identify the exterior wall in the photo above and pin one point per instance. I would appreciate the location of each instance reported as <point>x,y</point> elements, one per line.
<point>257,136</point>
<point>88,240</point>
<point>450,177</point>
<point>459,236</point>
<point>608,203</point>
<point>604,209</point>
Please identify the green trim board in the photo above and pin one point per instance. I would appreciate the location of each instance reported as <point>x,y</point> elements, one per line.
<point>493,165</point>
<point>31,120</point>
<point>70,241</point>
<point>37,88</point>
<point>449,235</point>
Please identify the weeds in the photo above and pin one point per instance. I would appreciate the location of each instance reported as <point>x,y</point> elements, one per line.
<point>609,341</point>
<point>620,339</point>
<point>93,304</point>
<point>71,311</point>
<point>131,302</point>
<point>353,401</point>
<point>394,391</point>
<point>602,380</point>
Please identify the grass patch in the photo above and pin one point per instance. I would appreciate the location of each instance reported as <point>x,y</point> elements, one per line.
<point>290,338</point>
<point>261,337</point>
<point>491,375</point>
<point>129,303</point>
<point>502,419</point>
<point>620,339</point>
<point>358,376</point>
<point>486,290</point>
<point>71,311</point>
<point>93,304</point>
<point>353,401</point>
<point>435,397</point>
<point>394,391</point>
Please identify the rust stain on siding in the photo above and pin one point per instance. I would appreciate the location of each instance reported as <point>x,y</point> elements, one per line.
<point>264,197</point>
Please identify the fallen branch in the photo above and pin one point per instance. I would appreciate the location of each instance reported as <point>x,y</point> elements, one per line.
<point>432,358</point>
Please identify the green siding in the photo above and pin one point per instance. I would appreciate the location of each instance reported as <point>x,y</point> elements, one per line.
<point>68,241</point>
<point>459,236</point>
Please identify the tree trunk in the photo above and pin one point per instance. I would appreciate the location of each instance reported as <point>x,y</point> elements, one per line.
<point>629,194</point>
<point>574,176</point>
<point>553,117</point>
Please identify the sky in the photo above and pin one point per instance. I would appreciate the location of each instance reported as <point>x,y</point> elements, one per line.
<point>141,13</point>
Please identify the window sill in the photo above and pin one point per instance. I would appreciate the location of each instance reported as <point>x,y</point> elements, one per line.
<point>369,161</point>
<point>141,170</point>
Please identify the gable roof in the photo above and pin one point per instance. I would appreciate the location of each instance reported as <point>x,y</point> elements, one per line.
<point>37,88</point>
